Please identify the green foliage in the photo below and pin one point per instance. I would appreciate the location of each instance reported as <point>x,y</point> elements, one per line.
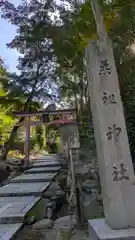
<point>6,120</point>
<point>52,59</point>
<point>37,63</point>
<point>78,27</point>
<point>6,124</point>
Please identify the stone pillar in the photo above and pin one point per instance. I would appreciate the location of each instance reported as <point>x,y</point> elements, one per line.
<point>74,144</point>
<point>114,159</point>
<point>69,133</point>
<point>115,164</point>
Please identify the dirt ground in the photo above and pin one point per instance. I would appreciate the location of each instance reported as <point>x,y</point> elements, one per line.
<point>30,234</point>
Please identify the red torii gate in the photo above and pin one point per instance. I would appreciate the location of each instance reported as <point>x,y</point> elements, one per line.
<point>58,117</point>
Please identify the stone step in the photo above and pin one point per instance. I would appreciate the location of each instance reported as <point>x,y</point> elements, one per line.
<point>45,164</point>
<point>8,231</point>
<point>24,189</point>
<point>18,198</point>
<point>15,209</point>
<point>42,170</point>
<point>34,177</point>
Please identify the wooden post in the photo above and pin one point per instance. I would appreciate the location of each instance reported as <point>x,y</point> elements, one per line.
<point>61,139</point>
<point>114,159</point>
<point>75,189</point>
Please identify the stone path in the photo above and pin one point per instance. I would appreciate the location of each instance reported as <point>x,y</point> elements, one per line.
<point>42,170</point>
<point>23,192</point>
<point>8,231</point>
<point>34,177</point>
<point>42,163</point>
<point>24,189</point>
<point>16,208</point>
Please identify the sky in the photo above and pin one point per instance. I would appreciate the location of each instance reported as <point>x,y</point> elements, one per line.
<point>8,32</point>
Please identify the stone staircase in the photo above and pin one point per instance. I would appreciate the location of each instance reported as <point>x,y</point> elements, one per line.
<point>19,197</point>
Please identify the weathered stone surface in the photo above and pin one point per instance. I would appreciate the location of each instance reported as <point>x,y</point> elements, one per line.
<point>35,177</point>
<point>43,224</point>
<point>54,190</point>
<point>24,189</point>
<point>67,132</point>
<point>85,171</point>
<point>8,231</point>
<point>82,169</point>
<point>13,200</point>
<point>88,185</point>
<point>14,209</point>
<point>66,233</point>
<point>111,136</point>
<point>26,207</point>
<point>47,157</point>
<point>98,229</point>
<point>42,170</point>
<point>91,209</point>
<point>68,222</point>
<point>64,227</point>
<point>46,164</point>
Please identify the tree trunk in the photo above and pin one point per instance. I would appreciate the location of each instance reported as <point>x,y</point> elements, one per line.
<point>7,145</point>
<point>81,107</point>
<point>81,97</point>
<point>76,107</point>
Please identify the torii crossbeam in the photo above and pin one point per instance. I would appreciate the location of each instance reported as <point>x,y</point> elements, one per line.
<point>58,117</point>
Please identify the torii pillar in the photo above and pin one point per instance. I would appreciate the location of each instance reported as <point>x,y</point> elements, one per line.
<point>27,142</point>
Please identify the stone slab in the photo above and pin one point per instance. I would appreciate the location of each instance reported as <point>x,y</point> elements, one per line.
<point>45,164</point>
<point>13,200</point>
<point>42,170</point>
<point>24,189</point>
<point>8,231</point>
<point>14,209</point>
<point>41,160</point>
<point>34,177</point>
<point>99,230</point>
<point>47,157</point>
